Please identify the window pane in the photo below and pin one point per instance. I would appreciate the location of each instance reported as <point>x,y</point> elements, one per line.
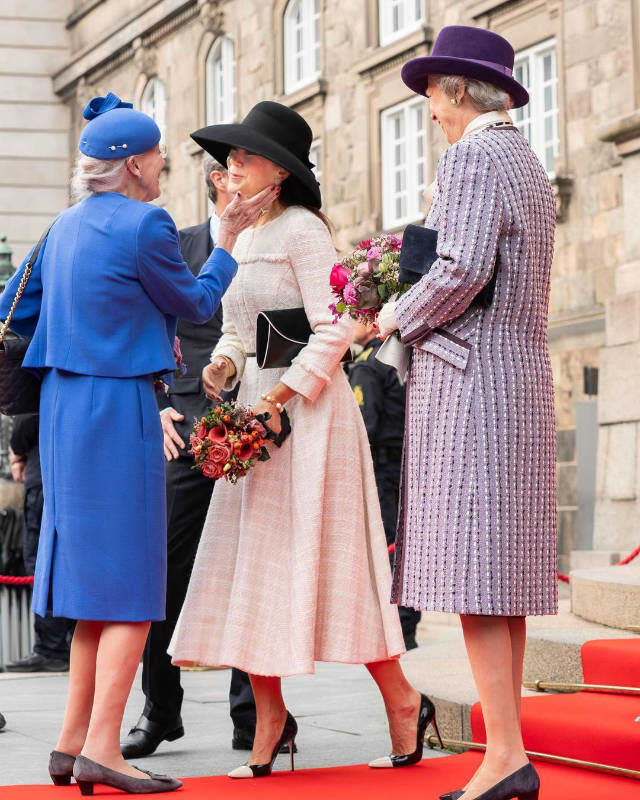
<point>536,70</point>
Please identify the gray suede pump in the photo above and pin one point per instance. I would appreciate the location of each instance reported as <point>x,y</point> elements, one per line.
<point>61,767</point>
<point>87,773</point>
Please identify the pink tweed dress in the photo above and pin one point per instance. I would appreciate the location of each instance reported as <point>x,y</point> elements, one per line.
<point>292,567</point>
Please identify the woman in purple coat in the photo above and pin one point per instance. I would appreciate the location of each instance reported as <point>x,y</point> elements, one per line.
<point>477,524</point>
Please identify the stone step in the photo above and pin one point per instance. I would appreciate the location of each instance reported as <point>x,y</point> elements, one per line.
<point>607,595</point>
<point>440,668</point>
<point>588,559</point>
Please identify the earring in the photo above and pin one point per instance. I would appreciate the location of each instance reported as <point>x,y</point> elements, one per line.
<point>454,101</point>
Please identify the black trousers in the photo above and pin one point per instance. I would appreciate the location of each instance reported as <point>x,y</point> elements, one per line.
<point>388,484</point>
<point>52,634</point>
<point>188,498</point>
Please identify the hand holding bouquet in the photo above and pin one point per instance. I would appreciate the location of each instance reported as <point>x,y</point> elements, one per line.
<point>367,278</point>
<point>228,441</point>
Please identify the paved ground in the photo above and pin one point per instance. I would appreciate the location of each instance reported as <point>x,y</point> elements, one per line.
<point>339,711</point>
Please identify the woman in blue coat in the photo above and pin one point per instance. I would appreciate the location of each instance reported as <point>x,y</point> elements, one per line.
<point>101,305</point>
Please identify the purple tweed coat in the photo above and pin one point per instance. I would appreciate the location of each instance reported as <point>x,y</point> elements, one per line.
<point>477,521</point>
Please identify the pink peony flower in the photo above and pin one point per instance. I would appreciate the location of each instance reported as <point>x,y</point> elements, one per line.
<point>366,269</point>
<point>339,277</point>
<point>365,244</point>
<point>374,252</point>
<point>350,294</point>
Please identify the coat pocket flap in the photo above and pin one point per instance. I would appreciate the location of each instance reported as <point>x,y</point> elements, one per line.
<point>448,347</point>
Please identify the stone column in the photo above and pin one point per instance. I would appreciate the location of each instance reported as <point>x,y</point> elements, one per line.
<point>617,515</point>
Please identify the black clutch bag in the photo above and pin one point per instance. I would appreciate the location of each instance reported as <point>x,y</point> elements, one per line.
<point>19,388</point>
<point>419,253</point>
<point>280,336</point>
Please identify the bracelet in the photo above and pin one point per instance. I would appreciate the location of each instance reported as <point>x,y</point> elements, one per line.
<point>268,399</point>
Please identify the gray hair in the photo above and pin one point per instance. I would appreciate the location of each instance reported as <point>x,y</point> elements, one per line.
<point>209,165</point>
<point>93,175</point>
<point>484,96</point>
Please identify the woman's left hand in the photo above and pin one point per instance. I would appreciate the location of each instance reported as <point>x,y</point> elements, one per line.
<point>274,423</point>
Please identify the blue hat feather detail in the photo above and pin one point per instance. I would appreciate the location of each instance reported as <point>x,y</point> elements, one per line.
<point>116,130</point>
<point>100,105</point>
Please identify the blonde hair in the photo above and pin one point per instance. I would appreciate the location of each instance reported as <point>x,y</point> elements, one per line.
<point>93,175</point>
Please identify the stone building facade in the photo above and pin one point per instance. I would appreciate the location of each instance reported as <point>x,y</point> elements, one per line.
<point>192,62</point>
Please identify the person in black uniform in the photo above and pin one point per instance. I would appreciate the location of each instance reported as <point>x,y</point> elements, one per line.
<point>381,398</point>
<point>188,498</point>
<point>52,634</point>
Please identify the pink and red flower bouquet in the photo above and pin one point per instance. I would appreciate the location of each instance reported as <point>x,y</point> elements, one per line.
<point>227,442</point>
<point>364,280</point>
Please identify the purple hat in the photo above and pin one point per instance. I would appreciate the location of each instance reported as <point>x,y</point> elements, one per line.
<point>471,52</point>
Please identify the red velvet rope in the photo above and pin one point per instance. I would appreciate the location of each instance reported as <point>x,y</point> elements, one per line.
<point>13,580</point>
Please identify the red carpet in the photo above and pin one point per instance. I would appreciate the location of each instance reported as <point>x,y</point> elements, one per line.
<point>424,782</point>
<point>585,725</point>
<point>612,662</point>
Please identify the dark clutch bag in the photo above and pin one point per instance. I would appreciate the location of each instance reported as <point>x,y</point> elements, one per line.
<point>19,388</point>
<point>419,253</point>
<point>280,336</point>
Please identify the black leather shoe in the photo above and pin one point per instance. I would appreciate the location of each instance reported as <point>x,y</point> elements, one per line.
<point>243,740</point>
<point>144,738</point>
<point>3,722</point>
<point>37,663</point>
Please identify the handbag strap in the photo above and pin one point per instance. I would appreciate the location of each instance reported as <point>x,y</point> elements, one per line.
<point>23,283</point>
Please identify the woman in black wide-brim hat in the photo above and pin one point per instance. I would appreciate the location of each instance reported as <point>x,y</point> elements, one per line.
<point>292,567</point>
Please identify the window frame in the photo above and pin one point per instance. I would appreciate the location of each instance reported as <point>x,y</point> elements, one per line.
<point>157,111</point>
<point>222,51</point>
<point>385,12</point>
<point>537,114</point>
<point>310,55</point>
<point>413,188</point>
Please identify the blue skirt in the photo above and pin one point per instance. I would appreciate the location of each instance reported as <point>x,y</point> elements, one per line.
<point>103,543</point>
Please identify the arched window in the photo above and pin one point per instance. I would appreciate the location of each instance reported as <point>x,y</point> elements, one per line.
<point>398,18</point>
<point>154,103</point>
<point>220,82</point>
<point>301,43</point>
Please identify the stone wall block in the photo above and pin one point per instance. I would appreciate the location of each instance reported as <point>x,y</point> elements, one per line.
<point>623,319</point>
<point>619,382</point>
<point>621,459</point>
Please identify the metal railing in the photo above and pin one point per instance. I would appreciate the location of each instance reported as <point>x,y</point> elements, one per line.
<point>16,623</point>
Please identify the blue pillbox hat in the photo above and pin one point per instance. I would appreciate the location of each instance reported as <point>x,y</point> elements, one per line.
<point>116,130</point>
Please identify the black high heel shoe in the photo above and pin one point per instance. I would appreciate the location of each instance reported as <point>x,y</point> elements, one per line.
<point>426,716</point>
<point>61,767</point>
<point>523,784</point>
<point>289,733</point>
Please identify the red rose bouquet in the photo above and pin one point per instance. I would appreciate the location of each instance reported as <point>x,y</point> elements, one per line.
<point>364,280</point>
<point>228,441</point>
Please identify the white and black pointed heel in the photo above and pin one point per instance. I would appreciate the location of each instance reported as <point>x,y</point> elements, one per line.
<point>289,733</point>
<point>426,716</point>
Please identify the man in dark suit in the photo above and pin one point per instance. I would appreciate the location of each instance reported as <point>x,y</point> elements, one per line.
<point>188,498</point>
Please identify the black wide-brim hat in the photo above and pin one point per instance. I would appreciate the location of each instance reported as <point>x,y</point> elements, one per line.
<point>275,132</point>
<point>470,52</point>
